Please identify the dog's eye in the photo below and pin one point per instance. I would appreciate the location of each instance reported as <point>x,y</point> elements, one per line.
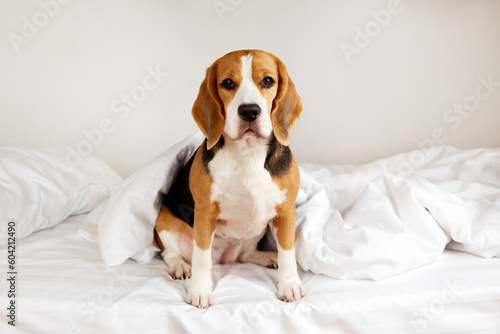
<point>228,84</point>
<point>268,82</point>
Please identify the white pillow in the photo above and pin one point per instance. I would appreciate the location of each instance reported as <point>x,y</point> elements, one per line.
<point>124,224</point>
<point>39,190</point>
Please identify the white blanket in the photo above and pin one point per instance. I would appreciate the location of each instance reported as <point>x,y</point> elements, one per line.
<point>381,219</point>
<point>372,221</point>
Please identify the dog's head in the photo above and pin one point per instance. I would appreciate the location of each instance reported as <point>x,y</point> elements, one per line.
<point>247,94</point>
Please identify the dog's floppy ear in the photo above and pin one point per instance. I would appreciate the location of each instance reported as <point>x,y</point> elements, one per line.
<point>208,110</point>
<point>287,106</point>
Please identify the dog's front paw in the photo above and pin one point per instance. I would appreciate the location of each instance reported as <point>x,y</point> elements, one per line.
<point>290,289</point>
<point>179,270</point>
<point>200,294</point>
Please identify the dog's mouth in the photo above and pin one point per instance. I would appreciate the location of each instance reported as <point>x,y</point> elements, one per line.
<point>249,130</point>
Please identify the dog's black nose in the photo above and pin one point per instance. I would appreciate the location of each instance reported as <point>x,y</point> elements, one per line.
<point>249,112</point>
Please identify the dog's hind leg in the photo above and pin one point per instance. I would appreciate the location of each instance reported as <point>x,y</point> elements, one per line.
<point>250,254</point>
<point>175,239</point>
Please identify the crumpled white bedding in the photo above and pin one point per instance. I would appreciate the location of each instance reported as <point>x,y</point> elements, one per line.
<point>64,287</point>
<point>372,221</point>
<point>380,219</point>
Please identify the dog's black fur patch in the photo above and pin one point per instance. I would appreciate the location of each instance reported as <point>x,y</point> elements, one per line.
<point>179,199</point>
<point>278,159</point>
<point>208,155</point>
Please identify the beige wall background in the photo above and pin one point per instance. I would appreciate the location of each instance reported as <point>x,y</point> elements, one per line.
<point>117,78</point>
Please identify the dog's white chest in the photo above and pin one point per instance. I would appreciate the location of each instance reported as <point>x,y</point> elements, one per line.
<point>244,189</point>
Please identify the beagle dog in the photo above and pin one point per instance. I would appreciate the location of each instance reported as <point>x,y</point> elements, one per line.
<point>242,178</point>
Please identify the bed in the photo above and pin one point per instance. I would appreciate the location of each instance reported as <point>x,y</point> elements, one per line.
<point>433,268</point>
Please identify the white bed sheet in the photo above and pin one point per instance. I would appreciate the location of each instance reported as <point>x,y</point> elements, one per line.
<point>64,287</point>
